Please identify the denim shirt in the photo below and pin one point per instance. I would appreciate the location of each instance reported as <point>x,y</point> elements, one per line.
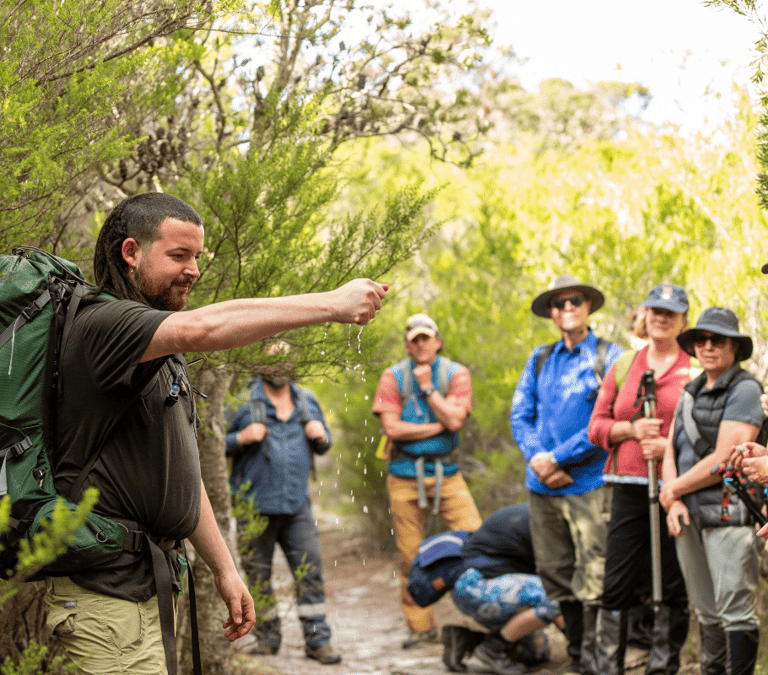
<point>551,414</point>
<point>278,467</point>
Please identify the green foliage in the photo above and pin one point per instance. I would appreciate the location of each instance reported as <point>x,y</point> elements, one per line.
<point>622,214</point>
<point>34,660</point>
<point>76,82</point>
<point>250,523</point>
<point>46,546</point>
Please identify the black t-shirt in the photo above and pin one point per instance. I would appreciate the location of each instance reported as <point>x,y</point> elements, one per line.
<point>502,545</point>
<point>148,469</point>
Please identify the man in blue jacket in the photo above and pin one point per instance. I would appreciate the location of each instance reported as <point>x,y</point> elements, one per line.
<point>272,440</point>
<point>569,504</point>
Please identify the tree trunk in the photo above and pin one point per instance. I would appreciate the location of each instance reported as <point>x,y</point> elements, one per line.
<point>215,652</point>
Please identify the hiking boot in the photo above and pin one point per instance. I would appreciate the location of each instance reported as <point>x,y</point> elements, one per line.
<point>324,654</point>
<point>531,650</point>
<point>492,652</point>
<point>263,647</point>
<point>459,642</point>
<point>267,638</point>
<point>416,638</point>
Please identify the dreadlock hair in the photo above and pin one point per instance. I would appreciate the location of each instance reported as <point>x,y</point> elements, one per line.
<point>138,217</point>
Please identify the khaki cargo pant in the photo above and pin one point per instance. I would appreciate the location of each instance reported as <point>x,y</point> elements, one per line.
<point>104,635</point>
<point>458,512</point>
<point>569,535</point>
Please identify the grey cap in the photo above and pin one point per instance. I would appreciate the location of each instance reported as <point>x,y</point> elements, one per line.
<point>668,296</point>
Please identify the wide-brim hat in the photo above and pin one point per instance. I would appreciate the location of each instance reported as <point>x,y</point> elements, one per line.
<point>720,321</point>
<point>540,304</point>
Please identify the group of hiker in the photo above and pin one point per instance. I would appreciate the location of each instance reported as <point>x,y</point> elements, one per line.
<point>611,438</point>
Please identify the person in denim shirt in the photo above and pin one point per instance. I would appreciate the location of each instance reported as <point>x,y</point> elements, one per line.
<point>272,459</point>
<point>569,503</point>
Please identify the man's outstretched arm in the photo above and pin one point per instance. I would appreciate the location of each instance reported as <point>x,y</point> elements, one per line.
<point>236,323</point>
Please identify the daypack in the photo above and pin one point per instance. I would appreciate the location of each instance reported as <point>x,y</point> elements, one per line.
<point>386,446</point>
<point>437,567</point>
<point>39,296</point>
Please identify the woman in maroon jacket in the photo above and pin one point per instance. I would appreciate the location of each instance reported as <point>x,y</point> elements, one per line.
<point>632,440</point>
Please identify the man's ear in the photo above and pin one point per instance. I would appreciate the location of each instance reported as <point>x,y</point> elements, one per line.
<point>131,252</point>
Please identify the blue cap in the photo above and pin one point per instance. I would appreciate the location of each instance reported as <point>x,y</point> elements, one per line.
<point>668,296</point>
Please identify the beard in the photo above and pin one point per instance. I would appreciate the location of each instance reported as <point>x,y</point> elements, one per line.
<point>163,298</point>
<point>277,381</point>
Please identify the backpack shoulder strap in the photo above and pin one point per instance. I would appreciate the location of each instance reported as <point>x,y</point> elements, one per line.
<point>303,406</point>
<point>686,413</point>
<point>541,358</point>
<point>623,364</point>
<point>601,356</point>
<point>443,374</point>
<point>258,411</point>
<point>405,369</point>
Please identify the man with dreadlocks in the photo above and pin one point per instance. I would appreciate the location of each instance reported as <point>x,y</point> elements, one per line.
<point>128,403</point>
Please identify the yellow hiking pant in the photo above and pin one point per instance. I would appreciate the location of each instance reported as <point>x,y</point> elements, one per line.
<point>458,512</point>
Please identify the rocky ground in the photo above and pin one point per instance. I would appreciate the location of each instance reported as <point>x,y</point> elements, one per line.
<point>367,623</point>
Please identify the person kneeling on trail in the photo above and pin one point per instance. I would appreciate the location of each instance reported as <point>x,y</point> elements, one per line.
<point>491,575</point>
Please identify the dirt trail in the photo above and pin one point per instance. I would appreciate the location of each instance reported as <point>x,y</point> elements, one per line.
<point>367,623</point>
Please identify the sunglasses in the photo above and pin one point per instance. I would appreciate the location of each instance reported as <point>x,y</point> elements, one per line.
<point>575,300</point>
<point>718,341</point>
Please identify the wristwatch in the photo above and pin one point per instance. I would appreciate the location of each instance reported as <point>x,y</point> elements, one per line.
<point>551,457</point>
<point>428,392</point>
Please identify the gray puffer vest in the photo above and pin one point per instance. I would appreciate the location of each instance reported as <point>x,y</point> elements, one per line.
<point>706,505</point>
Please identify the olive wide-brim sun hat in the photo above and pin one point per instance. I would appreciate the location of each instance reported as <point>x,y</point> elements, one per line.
<point>565,282</point>
<point>720,321</point>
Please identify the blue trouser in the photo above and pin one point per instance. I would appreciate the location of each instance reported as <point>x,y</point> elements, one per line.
<point>298,537</point>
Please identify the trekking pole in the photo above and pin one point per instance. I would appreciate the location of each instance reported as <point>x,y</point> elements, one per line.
<point>647,394</point>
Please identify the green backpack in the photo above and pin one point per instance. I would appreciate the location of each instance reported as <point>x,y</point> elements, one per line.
<point>39,296</point>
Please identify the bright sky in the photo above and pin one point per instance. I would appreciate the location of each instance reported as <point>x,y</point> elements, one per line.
<point>679,49</point>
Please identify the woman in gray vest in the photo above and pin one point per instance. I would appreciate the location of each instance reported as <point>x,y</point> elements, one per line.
<point>716,544</point>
